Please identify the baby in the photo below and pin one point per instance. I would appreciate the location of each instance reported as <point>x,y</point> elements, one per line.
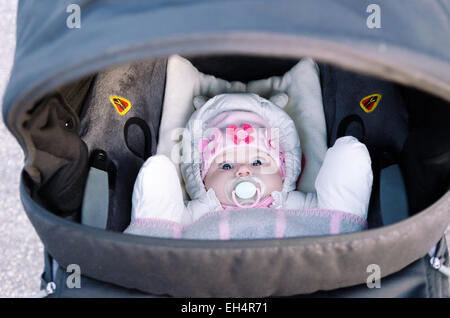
<point>242,151</point>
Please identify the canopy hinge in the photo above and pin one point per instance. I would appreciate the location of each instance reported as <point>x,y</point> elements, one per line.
<point>49,289</point>
<point>437,264</point>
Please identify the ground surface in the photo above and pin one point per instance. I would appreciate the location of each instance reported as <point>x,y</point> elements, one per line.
<point>21,251</point>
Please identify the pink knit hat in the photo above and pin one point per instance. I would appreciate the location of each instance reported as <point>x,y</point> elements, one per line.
<point>239,129</point>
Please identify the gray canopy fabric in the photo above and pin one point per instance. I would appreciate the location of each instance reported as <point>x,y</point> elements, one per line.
<point>412,46</point>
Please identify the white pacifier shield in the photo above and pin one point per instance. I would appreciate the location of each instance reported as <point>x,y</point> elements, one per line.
<point>245,190</point>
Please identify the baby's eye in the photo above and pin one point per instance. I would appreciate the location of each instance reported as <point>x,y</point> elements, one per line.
<point>226,166</point>
<point>257,162</point>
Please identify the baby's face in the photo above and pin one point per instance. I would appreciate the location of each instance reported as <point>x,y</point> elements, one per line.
<point>237,164</point>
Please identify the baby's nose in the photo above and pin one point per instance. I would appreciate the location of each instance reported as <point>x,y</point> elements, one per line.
<point>243,171</point>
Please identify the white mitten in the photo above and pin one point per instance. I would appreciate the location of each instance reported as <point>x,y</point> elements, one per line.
<point>345,179</point>
<point>157,192</point>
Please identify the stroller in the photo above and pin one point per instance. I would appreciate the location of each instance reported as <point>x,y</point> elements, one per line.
<point>122,49</point>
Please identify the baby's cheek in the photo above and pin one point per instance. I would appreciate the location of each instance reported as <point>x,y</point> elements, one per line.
<point>217,182</point>
<point>273,182</point>
<point>268,168</point>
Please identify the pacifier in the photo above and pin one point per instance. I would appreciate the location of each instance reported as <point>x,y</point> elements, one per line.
<point>246,190</point>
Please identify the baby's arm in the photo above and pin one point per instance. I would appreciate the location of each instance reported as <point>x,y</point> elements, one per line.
<point>295,200</point>
<point>207,203</point>
<point>157,195</point>
<point>345,179</point>
<point>157,192</point>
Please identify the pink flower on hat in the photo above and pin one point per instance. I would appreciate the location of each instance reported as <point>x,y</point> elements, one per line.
<point>209,147</point>
<point>273,139</point>
<point>241,134</point>
<point>209,144</point>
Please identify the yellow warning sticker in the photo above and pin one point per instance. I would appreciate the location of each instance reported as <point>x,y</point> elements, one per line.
<point>369,103</point>
<point>121,104</point>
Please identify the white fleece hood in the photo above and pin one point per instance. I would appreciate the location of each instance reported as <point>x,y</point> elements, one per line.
<point>270,110</point>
